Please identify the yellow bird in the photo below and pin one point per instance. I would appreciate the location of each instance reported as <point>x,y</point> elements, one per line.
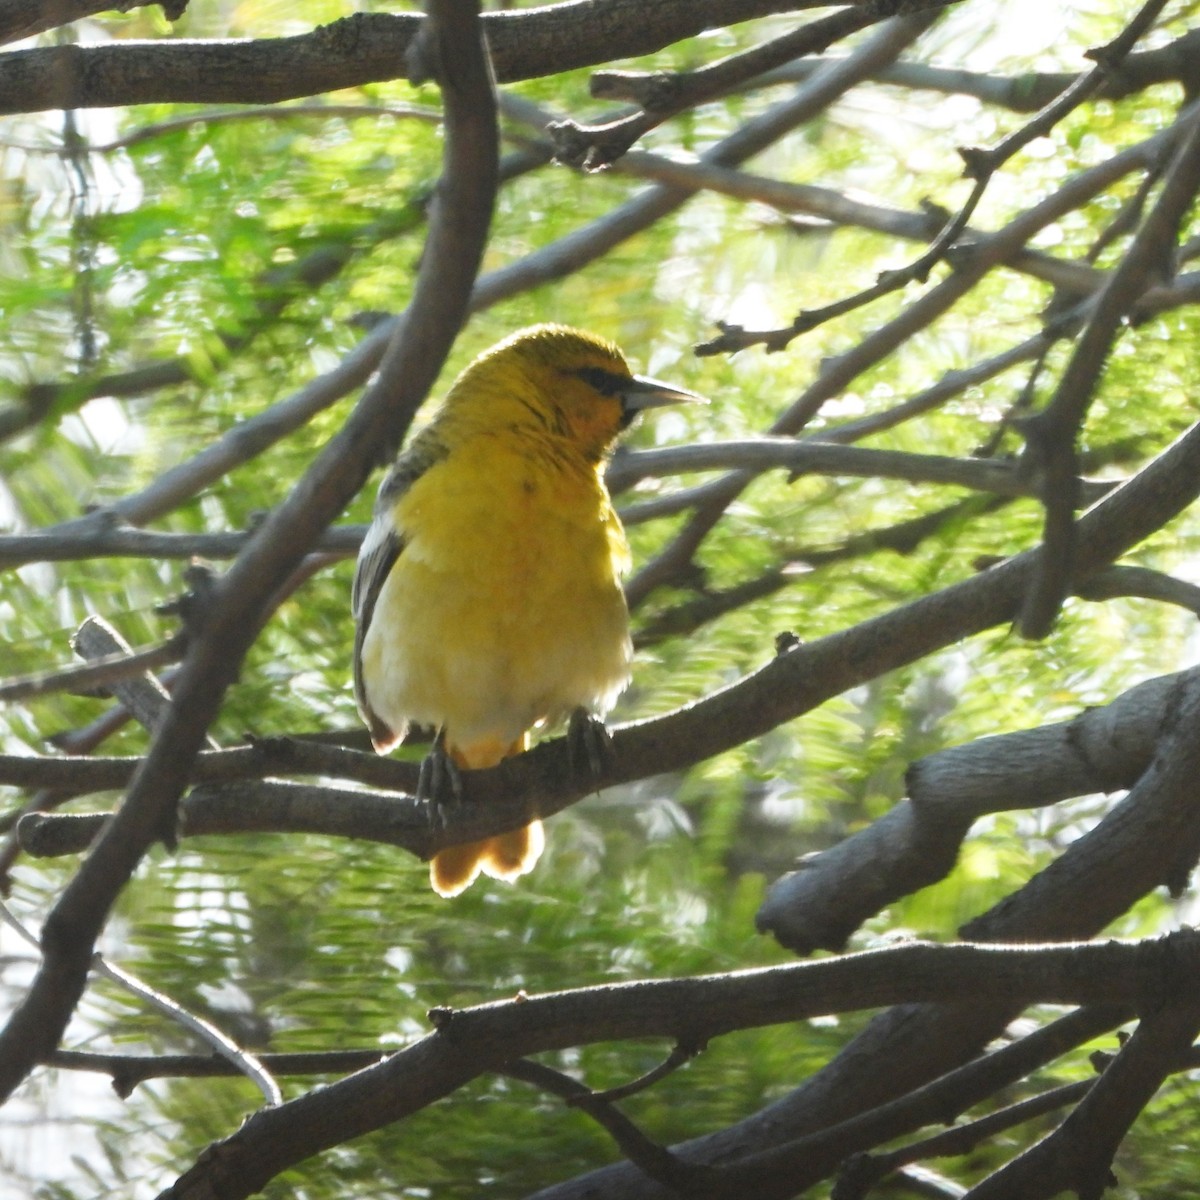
<point>487,598</point>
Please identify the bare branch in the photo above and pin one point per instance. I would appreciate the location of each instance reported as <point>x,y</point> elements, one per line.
<point>456,239</point>
<point>107,540</point>
<point>92,675</point>
<point>469,1042</point>
<point>664,95</point>
<point>363,48</point>
<point>1078,1155</point>
<point>1051,435</point>
<point>813,1157</point>
<point>1030,91</point>
<point>680,1056</point>
<point>914,845</point>
<point>864,1171</point>
<point>246,1063</point>
<point>817,456</point>
<point>128,1070</point>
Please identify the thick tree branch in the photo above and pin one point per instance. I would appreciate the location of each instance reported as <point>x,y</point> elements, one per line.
<point>363,48</point>
<point>469,1042</point>
<point>456,239</point>
<point>914,845</point>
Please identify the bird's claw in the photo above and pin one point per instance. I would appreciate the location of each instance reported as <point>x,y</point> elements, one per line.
<point>589,743</point>
<point>440,782</point>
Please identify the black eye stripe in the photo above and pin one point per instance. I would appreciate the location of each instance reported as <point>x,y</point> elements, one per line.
<point>607,383</point>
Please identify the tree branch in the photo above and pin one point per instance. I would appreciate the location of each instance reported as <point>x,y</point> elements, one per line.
<point>469,1042</point>
<point>1052,434</point>
<point>664,95</point>
<point>820,457</point>
<point>916,844</point>
<point>456,239</point>
<point>814,1157</point>
<point>128,1070</point>
<point>20,19</point>
<point>651,1158</point>
<point>1175,62</point>
<point>363,48</point>
<point>1078,1156</point>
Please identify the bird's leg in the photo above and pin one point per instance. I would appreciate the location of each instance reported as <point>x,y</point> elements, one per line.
<point>589,743</point>
<point>440,781</point>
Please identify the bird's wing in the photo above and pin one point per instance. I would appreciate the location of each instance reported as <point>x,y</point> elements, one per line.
<point>381,547</point>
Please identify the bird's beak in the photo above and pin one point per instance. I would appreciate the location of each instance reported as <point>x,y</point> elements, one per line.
<point>643,392</point>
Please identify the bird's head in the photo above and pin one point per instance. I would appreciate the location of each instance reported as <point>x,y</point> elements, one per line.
<point>565,381</point>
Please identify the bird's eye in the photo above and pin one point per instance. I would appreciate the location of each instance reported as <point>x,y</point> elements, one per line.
<point>607,383</point>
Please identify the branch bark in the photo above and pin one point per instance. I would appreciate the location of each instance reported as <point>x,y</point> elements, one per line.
<point>363,48</point>
<point>457,235</point>
<point>916,844</point>
<point>469,1042</point>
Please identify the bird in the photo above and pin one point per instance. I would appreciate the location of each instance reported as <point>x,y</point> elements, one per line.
<point>487,597</point>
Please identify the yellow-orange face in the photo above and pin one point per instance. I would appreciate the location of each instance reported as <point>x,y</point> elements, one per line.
<point>564,381</point>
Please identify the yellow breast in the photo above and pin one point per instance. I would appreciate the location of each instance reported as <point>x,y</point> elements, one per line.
<point>505,607</point>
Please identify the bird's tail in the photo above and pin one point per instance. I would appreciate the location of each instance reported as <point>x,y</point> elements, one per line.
<point>506,856</point>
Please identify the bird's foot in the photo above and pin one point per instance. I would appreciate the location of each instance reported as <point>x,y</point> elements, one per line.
<point>589,743</point>
<point>440,782</point>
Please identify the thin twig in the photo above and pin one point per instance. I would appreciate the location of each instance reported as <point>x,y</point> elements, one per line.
<point>242,1060</point>
<point>680,1055</point>
<point>655,1160</point>
<point>981,166</point>
<point>93,675</point>
<point>128,1070</point>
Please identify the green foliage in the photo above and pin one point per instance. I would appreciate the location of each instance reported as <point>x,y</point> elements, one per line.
<point>314,944</point>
